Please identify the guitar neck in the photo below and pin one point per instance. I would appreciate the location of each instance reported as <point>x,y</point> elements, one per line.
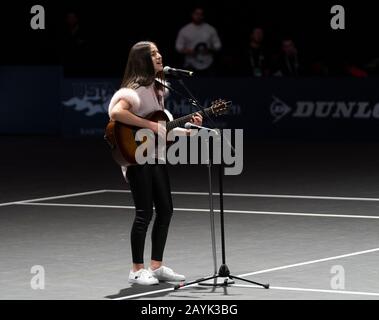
<point>180,122</point>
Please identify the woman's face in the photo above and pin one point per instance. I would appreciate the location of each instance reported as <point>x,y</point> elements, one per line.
<point>156,58</point>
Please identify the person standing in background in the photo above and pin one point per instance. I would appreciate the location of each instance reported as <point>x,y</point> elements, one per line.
<point>198,41</point>
<point>74,45</point>
<point>257,55</point>
<point>288,63</point>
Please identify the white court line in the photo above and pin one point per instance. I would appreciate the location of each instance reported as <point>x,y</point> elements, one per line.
<point>51,198</point>
<point>150,293</point>
<point>274,269</point>
<point>258,287</point>
<point>78,205</point>
<point>276,213</point>
<point>309,262</point>
<point>311,290</point>
<point>259,195</point>
<point>303,214</point>
<point>256,195</point>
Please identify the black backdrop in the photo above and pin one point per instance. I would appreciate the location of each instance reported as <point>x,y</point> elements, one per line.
<point>111,27</point>
<point>35,83</point>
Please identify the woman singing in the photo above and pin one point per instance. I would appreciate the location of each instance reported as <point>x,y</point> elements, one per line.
<point>142,93</point>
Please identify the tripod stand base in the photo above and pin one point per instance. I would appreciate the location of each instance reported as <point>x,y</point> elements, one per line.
<point>223,278</point>
<point>216,282</point>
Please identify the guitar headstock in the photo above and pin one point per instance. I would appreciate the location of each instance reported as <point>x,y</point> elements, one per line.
<point>220,106</point>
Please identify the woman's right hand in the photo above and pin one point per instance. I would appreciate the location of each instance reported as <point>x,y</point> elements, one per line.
<point>160,129</point>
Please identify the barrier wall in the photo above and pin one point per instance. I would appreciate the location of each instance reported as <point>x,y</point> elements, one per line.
<point>30,100</point>
<point>39,100</point>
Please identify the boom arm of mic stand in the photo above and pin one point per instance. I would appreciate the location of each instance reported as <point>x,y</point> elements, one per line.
<point>195,102</point>
<point>173,90</point>
<point>190,99</point>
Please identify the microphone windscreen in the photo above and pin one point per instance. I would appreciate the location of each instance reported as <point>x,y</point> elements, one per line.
<point>166,69</point>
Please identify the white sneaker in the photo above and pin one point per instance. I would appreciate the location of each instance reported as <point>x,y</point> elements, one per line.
<point>166,274</point>
<point>143,277</point>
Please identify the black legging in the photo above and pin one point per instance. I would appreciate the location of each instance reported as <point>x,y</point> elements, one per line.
<point>149,183</point>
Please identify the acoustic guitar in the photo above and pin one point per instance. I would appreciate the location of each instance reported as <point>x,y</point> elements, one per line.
<point>121,137</point>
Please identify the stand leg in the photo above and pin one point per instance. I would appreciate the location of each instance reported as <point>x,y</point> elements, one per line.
<point>222,206</point>
<point>218,280</point>
<point>211,213</point>
<point>266,286</point>
<point>184,284</point>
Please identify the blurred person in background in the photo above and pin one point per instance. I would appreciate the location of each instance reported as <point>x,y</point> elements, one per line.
<point>198,41</point>
<point>287,62</point>
<point>74,44</point>
<point>257,55</point>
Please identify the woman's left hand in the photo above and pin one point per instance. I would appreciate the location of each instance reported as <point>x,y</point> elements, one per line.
<point>197,119</point>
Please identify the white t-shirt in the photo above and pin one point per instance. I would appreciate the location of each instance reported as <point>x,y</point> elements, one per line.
<point>197,37</point>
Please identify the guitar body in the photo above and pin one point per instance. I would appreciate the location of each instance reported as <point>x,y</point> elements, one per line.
<point>121,138</point>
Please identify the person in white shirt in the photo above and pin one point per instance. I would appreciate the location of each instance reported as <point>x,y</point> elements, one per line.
<point>139,95</point>
<point>198,41</point>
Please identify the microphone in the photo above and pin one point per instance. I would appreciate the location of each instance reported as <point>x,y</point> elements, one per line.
<point>189,125</point>
<point>177,72</point>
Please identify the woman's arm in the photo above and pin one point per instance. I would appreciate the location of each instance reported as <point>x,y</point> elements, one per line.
<point>120,112</point>
<point>196,119</point>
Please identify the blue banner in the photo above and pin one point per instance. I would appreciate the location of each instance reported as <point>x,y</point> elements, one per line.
<point>30,99</point>
<point>85,106</point>
<point>38,100</point>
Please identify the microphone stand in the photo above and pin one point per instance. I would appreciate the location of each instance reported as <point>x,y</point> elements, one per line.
<point>223,271</point>
<point>209,164</point>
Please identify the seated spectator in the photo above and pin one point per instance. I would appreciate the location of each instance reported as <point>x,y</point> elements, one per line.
<point>257,56</point>
<point>318,67</point>
<point>287,62</point>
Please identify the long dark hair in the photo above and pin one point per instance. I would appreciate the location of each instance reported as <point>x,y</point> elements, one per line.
<point>139,70</point>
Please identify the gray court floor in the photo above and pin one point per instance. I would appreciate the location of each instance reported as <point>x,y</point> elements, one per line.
<point>317,240</point>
